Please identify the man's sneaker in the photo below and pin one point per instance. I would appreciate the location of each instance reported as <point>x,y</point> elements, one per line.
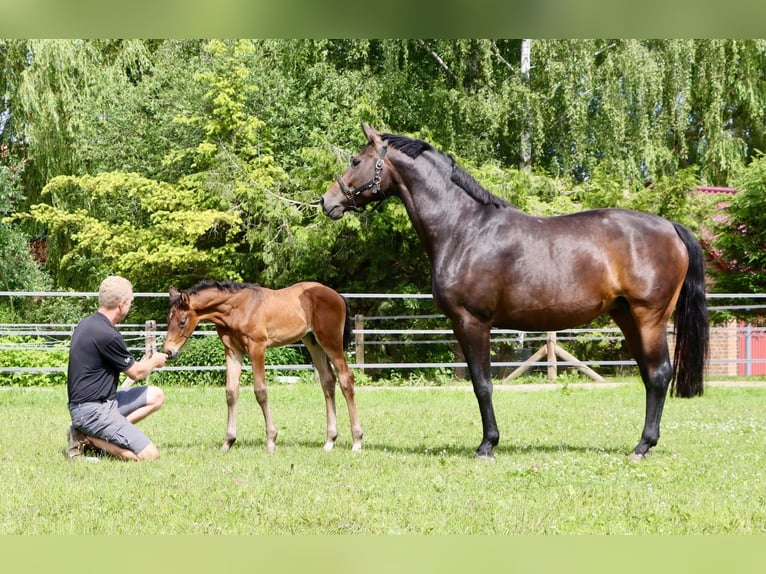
<point>76,442</point>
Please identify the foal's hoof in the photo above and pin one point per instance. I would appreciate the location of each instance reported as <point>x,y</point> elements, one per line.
<point>328,446</point>
<point>227,444</point>
<point>357,447</point>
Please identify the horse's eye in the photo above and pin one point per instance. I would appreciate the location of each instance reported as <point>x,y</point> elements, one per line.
<point>355,162</point>
<point>182,322</point>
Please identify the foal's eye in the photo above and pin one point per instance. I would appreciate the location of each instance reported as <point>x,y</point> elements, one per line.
<point>355,162</point>
<point>182,322</point>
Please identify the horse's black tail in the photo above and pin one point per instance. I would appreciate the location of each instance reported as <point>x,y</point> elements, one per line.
<point>348,326</point>
<point>691,323</point>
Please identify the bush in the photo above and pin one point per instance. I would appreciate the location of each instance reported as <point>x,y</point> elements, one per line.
<point>208,351</point>
<point>23,351</point>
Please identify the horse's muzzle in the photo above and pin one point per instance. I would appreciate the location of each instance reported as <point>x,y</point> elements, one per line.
<point>171,353</point>
<point>332,208</point>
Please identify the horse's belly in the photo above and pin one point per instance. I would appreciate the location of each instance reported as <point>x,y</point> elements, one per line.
<point>539,313</point>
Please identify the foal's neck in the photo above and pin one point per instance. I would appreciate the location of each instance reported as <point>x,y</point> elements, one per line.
<point>217,306</point>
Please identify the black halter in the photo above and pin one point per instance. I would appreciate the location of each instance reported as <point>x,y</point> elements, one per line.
<point>374,183</point>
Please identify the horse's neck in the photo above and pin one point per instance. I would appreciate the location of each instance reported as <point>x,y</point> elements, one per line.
<point>438,209</point>
<point>214,307</point>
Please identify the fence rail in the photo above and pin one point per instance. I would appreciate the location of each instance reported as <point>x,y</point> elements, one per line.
<point>535,350</point>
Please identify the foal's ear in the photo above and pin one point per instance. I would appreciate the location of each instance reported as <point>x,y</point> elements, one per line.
<point>173,292</point>
<point>371,133</point>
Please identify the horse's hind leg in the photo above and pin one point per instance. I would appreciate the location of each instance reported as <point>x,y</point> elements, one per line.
<point>327,381</point>
<point>325,354</point>
<point>346,378</point>
<point>650,349</point>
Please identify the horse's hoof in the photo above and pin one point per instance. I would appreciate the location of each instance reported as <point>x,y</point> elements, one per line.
<point>271,448</point>
<point>357,447</point>
<point>328,446</point>
<point>635,457</point>
<point>485,451</point>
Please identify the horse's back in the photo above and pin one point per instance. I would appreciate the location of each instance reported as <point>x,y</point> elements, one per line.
<point>558,272</point>
<point>313,298</point>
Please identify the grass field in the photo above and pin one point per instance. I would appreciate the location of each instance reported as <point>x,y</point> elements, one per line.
<point>561,466</point>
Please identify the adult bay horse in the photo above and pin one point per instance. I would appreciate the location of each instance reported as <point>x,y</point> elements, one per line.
<point>493,265</point>
<point>249,319</point>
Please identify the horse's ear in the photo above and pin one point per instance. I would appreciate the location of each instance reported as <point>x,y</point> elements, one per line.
<point>185,298</point>
<point>371,133</point>
<point>173,292</point>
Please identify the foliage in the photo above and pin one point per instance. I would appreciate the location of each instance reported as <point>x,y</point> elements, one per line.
<point>122,223</point>
<point>257,129</point>
<point>18,270</point>
<point>24,351</point>
<point>208,351</point>
<point>741,233</point>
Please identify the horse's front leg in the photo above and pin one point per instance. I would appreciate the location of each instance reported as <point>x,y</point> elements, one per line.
<point>473,336</point>
<point>258,357</point>
<point>233,372</point>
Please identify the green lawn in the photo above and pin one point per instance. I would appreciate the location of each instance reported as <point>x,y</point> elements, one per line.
<point>561,466</point>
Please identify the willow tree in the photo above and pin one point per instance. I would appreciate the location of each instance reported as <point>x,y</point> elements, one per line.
<point>266,125</point>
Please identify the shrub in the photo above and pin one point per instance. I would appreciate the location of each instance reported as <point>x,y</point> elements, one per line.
<point>25,351</point>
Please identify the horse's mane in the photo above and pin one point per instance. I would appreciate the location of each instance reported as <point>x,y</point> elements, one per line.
<point>219,285</point>
<point>408,146</point>
<point>414,147</point>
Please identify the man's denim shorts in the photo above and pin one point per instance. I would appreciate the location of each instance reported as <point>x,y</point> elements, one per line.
<point>107,420</point>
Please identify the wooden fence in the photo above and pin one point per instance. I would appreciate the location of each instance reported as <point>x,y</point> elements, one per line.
<point>737,349</point>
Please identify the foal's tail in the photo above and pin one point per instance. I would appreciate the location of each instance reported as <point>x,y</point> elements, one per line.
<point>348,326</point>
<point>691,323</point>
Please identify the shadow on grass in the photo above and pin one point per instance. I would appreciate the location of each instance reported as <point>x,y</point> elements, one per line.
<point>451,450</point>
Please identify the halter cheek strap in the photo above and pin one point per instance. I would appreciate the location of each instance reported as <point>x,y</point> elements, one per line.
<point>374,183</point>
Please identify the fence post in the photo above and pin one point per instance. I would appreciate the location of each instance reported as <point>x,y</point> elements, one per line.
<point>550,345</point>
<point>359,338</point>
<point>150,345</point>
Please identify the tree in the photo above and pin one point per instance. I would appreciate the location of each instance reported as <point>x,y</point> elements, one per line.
<point>122,223</point>
<point>262,127</point>
<point>741,233</point>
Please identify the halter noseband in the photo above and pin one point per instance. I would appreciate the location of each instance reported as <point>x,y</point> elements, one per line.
<point>374,183</point>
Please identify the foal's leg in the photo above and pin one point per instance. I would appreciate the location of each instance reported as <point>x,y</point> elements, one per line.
<point>331,343</point>
<point>346,378</point>
<point>473,335</point>
<point>233,371</point>
<point>649,346</point>
<point>258,358</point>
<point>327,380</point>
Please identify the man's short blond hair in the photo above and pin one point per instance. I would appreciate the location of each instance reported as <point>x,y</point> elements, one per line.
<point>113,291</point>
